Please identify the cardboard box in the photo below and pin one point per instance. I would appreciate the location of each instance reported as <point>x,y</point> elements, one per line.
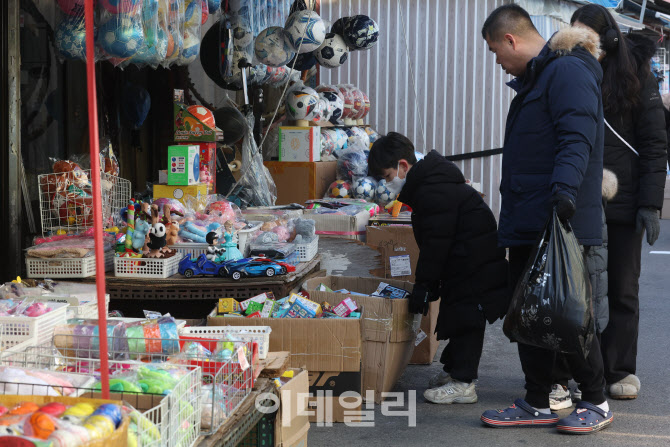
<point>383,220</point>
<point>425,352</point>
<point>179,192</point>
<point>207,152</point>
<point>398,249</point>
<point>298,182</point>
<point>334,225</point>
<point>300,143</point>
<point>292,422</point>
<point>388,338</point>
<point>316,344</point>
<point>183,165</point>
<point>327,404</point>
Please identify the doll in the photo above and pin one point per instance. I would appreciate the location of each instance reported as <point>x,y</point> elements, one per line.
<point>232,253</point>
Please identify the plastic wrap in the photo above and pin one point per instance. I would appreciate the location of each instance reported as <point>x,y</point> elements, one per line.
<point>175,30</point>
<point>362,137</point>
<point>352,164</point>
<point>121,32</point>
<point>358,109</point>
<point>70,31</point>
<point>192,18</point>
<point>328,142</point>
<point>274,250</point>
<point>383,195</point>
<point>79,339</point>
<point>301,102</point>
<point>347,93</point>
<point>255,186</point>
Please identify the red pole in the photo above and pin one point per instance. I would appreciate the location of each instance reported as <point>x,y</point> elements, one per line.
<point>94,144</point>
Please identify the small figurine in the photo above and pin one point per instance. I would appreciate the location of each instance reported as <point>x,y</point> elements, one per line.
<point>214,252</point>
<point>232,253</point>
<point>156,240</point>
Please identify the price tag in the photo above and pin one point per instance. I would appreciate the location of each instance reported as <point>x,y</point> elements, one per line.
<point>421,336</point>
<point>244,363</point>
<point>400,265</point>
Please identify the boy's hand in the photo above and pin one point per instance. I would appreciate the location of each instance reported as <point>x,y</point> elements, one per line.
<point>422,295</point>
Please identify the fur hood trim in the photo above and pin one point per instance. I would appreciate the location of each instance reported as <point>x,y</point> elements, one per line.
<point>610,184</point>
<point>565,40</point>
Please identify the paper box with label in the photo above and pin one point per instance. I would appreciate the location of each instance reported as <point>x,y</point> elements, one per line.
<point>299,143</point>
<point>329,403</point>
<point>388,337</point>
<point>346,307</point>
<point>191,123</point>
<point>258,299</point>
<point>398,249</point>
<point>302,307</point>
<point>179,192</point>
<point>183,165</point>
<point>228,305</point>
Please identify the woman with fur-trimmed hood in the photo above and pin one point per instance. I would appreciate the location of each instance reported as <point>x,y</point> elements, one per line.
<point>635,150</point>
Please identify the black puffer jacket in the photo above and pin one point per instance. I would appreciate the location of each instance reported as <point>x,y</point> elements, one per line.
<point>641,179</point>
<point>458,244</point>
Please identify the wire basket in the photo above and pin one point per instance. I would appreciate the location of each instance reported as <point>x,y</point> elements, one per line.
<point>66,203</point>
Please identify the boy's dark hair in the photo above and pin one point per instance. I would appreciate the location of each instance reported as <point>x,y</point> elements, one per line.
<point>388,150</point>
<point>512,19</point>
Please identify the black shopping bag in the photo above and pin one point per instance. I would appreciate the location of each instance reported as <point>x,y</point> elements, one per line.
<point>552,303</point>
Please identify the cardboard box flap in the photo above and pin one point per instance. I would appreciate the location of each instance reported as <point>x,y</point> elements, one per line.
<point>293,418</point>
<point>383,319</point>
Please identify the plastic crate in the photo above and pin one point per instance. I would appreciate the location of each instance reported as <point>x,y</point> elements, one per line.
<point>244,236</point>
<point>306,252</point>
<point>146,267</point>
<point>262,435</point>
<point>66,267</point>
<point>258,334</point>
<point>77,309</point>
<point>38,330</point>
<point>195,249</point>
<point>60,211</point>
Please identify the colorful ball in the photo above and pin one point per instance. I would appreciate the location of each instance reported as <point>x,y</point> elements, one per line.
<point>366,103</point>
<point>40,425</point>
<point>149,10</point>
<point>63,438</point>
<point>361,32</point>
<point>71,38</point>
<point>328,141</point>
<point>301,103</point>
<point>191,11</point>
<point>120,6</point>
<point>365,188</point>
<point>271,48</point>
<point>372,134</point>
<point>102,425</point>
<point>191,48</point>
<point>383,194</point>
<point>305,31</point>
<point>111,411</point>
<point>121,37</point>
<point>348,94</point>
<point>72,7</point>
<point>205,12</point>
<point>53,408</point>
<point>175,42</point>
<point>333,52</point>
<point>203,114</point>
<point>342,140</point>
<point>153,54</point>
<point>339,189</point>
<point>80,410</point>
<point>24,408</point>
<point>213,5</point>
<point>352,164</point>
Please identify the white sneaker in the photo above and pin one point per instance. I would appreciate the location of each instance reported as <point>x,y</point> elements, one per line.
<point>454,392</point>
<point>559,398</point>
<point>439,379</point>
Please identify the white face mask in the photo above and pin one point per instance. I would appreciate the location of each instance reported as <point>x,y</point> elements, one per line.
<point>396,185</point>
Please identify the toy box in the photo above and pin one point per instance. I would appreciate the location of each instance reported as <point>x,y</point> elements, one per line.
<point>346,307</point>
<point>183,165</point>
<point>228,305</point>
<point>207,153</point>
<point>179,192</point>
<point>187,127</point>
<point>257,299</point>
<point>300,143</point>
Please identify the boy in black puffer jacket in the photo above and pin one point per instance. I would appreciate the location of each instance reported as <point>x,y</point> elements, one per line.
<point>459,258</point>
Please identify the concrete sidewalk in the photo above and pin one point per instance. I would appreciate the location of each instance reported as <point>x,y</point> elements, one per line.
<point>641,422</point>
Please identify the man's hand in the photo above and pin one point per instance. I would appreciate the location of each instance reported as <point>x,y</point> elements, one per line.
<point>422,295</point>
<point>647,219</point>
<point>564,205</point>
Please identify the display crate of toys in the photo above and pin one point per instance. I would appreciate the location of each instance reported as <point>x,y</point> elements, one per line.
<point>257,334</point>
<point>146,267</point>
<point>66,201</point>
<point>77,306</point>
<point>38,328</point>
<point>66,267</point>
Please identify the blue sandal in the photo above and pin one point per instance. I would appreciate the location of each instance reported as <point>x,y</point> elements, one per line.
<point>520,414</point>
<point>585,419</point>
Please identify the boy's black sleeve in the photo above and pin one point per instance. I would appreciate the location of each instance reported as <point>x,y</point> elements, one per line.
<point>434,223</point>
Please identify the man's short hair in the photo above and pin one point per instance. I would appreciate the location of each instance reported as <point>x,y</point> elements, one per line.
<point>507,19</point>
<point>388,150</point>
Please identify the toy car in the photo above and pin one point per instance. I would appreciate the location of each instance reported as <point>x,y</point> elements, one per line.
<point>256,267</point>
<point>201,266</point>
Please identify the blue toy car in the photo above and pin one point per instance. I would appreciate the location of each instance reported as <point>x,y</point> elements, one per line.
<point>201,266</point>
<point>255,267</point>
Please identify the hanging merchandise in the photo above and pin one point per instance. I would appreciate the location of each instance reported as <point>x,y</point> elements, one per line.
<point>216,55</point>
<point>121,6</point>
<point>360,32</point>
<point>213,6</point>
<point>333,52</point>
<point>232,123</point>
<point>70,38</point>
<point>205,11</point>
<point>303,62</point>
<point>552,305</point>
<point>338,26</point>
<point>271,48</point>
<point>175,30</point>
<point>73,8</point>
<point>305,31</point>
<point>191,11</point>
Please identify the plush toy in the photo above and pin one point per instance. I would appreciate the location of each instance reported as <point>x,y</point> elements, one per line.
<point>189,230</point>
<point>171,225</point>
<point>267,237</point>
<point>156,235</point>
<point>305,230</point>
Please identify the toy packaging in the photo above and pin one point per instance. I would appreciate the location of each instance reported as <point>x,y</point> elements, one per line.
<point>258,299</point>
<point>302,307</point>
<point>183,165</point>
<point>387,291</point>
<point>345,308</point>
<point>227,305</point>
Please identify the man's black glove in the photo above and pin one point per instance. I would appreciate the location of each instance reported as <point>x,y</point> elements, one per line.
<point>647,219</point>
<point>564,206</point>
<point>422,295</point>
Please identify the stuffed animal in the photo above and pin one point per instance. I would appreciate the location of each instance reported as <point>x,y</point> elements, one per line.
<point>305,230</point>
<point>267,237</point>
<point>156,235</point>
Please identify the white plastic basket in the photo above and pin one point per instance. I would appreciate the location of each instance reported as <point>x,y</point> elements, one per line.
<point>146,267</point>
<point>38,330</point>
<point>76,308</point>
<point>73,211</point>
<point>306,252</point>
<point>195,249</point>
<point>66,267</point>
<point>259,334</point>
<point>244,236</point>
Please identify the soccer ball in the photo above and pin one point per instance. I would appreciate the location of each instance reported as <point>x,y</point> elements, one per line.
<point>304,27</point>
<point>333,52</point>
<point>359,104</point>
<point>191,11</point>
<point>348,95</point>
<point>372,134</point>
<point>328,141</point>
<point>121,6</point>
<point>352,164</point>
<point>121,37</point>
<point>339,189</point>
<point>153,54</point>
<point>334,106</point>
<point>205,115</point>
<point>71,38</point>
<point>342,140</point>
<point>383,194</point>
<point>191,48</point>
<point>361,32</point>
<point>242,36</point>
<point>271,48</point>
<point>303,62</point>
<point>301,103</point>
<point>366,104</point>
<point>361,136</point>
<point>365,188</point>
<point>338,26</point>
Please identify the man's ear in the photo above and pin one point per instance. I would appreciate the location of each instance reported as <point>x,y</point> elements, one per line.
<point>510,39</point>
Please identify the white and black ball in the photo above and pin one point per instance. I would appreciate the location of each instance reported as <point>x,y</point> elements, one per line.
<point>271,47</point>
<point>305,31</point>
<point>333,52</point>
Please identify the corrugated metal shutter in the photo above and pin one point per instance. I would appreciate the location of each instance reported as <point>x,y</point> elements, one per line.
<point>462,96</point>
